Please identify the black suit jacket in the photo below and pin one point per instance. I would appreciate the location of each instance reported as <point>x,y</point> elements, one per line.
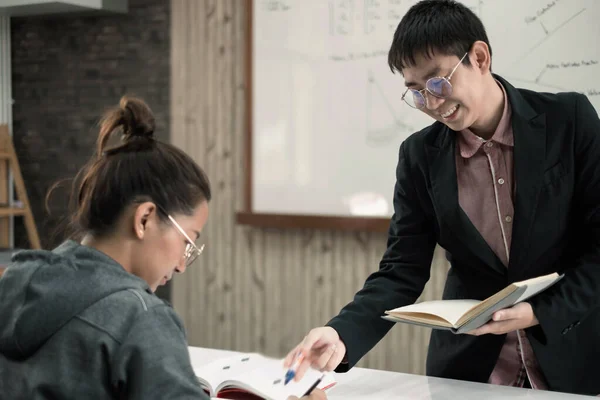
<point>556,228</point>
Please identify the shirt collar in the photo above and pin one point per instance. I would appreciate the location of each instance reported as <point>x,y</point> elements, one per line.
<point>469,143</point>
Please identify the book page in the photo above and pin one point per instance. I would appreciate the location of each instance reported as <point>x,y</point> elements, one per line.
<point>528,288</point>
<point>258,374</point>
<point>269,383</point>
<point>535,285</point>
<point>222,369</point>
<point>449,310</point>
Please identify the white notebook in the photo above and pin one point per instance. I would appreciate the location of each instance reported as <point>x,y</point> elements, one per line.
<point>253,375</point>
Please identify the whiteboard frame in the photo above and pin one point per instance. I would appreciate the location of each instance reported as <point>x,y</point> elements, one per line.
<point>286,221</point>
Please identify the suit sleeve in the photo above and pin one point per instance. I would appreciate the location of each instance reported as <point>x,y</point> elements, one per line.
<point>153,362</point>
<point>403,272</point>
<point>572,299</point>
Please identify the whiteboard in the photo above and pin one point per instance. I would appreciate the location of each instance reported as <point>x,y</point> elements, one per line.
<point>327,119</point>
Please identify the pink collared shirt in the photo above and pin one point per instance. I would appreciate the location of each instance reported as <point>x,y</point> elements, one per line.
<point>486,190</point>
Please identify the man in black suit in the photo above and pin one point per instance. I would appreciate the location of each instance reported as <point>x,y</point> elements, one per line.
<point>507,181</point>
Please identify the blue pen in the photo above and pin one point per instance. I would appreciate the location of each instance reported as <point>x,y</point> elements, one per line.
<point>291,372</point>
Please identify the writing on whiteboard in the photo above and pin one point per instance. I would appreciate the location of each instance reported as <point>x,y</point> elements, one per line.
<point>541,11</point>
<point>572,64</point>
<point>366,17</point>
<point>276,5</point>
<point>354,56</point>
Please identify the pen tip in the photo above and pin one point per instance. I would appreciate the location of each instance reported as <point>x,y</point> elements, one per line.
<point>288,378</point>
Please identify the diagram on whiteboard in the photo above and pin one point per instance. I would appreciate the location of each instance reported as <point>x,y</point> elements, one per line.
<point>363,17</point>
<point>384,124</point>
<point>553,25</point>
<point>323,88</point>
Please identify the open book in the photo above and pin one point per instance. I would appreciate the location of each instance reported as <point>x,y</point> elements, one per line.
<point>461,316</point>
<point>254,376</point>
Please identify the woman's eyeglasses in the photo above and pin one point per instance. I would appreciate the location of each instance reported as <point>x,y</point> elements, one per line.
<point>191,250</point>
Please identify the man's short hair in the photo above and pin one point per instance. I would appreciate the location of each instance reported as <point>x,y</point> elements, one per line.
<point>430,27</point>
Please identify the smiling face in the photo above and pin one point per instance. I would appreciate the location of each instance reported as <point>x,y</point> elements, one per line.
<point>467,104</point>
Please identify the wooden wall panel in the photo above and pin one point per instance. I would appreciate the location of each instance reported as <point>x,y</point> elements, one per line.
<point>259,289</point>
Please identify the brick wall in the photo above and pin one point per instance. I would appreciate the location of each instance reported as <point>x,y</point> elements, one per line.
<point>65,71</point>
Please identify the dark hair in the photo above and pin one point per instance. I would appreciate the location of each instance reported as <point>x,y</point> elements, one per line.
<point>138,169</point>
<point>435,26</point>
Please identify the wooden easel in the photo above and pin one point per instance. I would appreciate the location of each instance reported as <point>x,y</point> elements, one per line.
<point>9,162</point>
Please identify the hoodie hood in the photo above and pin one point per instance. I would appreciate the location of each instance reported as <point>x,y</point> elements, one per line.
<point>42,290</point>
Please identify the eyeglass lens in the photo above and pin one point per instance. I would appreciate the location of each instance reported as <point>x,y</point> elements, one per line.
<point>438,87</point>
<point>190,255</point>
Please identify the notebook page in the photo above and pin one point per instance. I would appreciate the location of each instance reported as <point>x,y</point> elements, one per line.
<point>253,370</point>
<point>268,381</point>
<point>222,369</point>
<point>450,310</point>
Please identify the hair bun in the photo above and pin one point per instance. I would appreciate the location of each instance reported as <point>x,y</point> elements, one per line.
<point>137,119</point>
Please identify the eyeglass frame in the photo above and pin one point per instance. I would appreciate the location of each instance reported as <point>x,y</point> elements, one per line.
<point>446,78</point>
<point>190,247</point>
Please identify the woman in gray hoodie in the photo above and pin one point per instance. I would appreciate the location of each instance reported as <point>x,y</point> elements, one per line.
<point>82,321</point>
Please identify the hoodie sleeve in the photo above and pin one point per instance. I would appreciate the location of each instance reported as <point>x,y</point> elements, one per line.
<point>153,362</point>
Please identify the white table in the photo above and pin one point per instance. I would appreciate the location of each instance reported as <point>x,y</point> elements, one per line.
<point>367,384</point>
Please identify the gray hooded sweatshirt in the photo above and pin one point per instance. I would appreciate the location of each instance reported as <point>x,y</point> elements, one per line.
<point>75,325</point>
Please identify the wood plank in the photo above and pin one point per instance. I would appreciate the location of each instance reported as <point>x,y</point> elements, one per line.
<point>321,222</point>
<point>4,221</point>
<point>9,162</point>
<point>8,211</point>
<point>241,250</point>
<point>261,287</point>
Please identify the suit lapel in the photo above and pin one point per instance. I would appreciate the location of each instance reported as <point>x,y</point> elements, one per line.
<point>529,130</point>
<point>444,185</point>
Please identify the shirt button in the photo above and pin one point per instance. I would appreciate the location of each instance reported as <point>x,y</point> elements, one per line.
<point>501,181</point>
<point>489,144</point>
<point>508,218</point>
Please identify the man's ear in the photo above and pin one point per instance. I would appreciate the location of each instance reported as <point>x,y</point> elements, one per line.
<point>480,56</point>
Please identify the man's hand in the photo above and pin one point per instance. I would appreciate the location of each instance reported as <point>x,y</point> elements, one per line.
<point>520,316</point>
<point>322,349</point>
<point>315,395</point>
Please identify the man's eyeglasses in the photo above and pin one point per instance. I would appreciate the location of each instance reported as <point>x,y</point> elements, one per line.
<point>438,86</point>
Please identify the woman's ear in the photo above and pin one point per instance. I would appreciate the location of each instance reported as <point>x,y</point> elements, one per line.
<point>141,217</point>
